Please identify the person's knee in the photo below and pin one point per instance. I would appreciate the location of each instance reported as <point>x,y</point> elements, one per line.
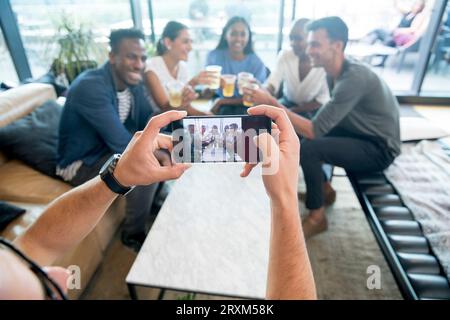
<point>307,151</point>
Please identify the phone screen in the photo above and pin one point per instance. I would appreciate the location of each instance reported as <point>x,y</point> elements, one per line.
<point>219,139</point>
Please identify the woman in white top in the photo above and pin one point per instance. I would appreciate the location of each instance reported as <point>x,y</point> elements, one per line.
<point>305,88</point>
<point>170,65</point>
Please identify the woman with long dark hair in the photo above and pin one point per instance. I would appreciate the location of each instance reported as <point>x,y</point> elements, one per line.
<point>235,54</point>
<point>170,65</point>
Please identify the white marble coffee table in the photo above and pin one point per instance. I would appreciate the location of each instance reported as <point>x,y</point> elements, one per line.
<point>211,236</point>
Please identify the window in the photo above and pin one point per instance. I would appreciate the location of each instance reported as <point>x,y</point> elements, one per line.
<point>8,72</point>
<point>207,18</point>
<point>396,64</point>
<point>38,24</point>
<point>437,78</point>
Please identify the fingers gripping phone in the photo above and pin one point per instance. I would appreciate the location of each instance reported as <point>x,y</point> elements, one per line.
<point>218,139</point>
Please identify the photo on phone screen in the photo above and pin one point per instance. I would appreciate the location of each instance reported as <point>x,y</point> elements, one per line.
<point>219,139</point>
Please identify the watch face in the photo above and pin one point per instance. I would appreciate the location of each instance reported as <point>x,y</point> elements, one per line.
<point>104,168</point>
<point>109,165</point>
<point>112,164</point>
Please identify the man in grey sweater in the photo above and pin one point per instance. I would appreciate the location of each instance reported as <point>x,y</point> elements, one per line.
<point>358,129</point>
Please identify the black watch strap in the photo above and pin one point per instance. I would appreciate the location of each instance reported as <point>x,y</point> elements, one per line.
<point>107,175</point>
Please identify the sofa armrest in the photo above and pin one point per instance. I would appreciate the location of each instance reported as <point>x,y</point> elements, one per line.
<point>18,102</point>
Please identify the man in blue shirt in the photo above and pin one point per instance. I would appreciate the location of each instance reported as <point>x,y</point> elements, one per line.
<point>104,108</point>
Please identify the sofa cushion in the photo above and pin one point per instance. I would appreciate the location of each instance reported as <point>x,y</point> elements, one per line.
<point>34,138</point>
<point>37,189</point>
<point>19,225</point>
<point>3,158</point>
<point>8,213</point>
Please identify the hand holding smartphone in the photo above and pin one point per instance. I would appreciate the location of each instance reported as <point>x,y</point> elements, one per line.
<point>213,139</point>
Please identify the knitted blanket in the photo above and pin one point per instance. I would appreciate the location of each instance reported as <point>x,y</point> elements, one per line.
<point>421,175</point>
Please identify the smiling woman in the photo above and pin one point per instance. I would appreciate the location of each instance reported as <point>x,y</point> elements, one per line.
<point>170,66</point>
<point>235,54</point>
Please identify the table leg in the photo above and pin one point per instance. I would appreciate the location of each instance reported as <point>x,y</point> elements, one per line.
<point>132,291</point>
<point>161,294</point>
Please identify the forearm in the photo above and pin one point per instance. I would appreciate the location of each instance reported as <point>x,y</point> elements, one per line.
<point>194,82</point>
<point>67,221</point>
<point>301,125</point>
<point>290,275</point>
<point>230,101</point>
<point>163,103</point>
<point>306,107</point>
<point>194,112</point>
<point>225,101</point>
<point>271,89</point>
<point>403,31</point>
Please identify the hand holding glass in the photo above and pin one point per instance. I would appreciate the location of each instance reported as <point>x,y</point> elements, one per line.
<point>228,89</point>
<point>247,99</point>
<point>215,71</point>
<point>243,79</point>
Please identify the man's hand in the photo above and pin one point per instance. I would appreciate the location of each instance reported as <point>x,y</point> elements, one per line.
<point>259,96</point>
<point>282,184</point>
<point>289,273</point>
<point>163,157</point>
<point>139,165</point>
<point>219,102</point>
<point>188,96</point>
<point>203,78</point>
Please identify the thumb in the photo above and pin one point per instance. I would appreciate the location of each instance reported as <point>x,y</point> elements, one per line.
<point>59,275</point>
<point>269,148</point>
<point>173,172</point>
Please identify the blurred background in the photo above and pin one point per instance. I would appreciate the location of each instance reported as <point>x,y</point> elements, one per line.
<point>420,70</point>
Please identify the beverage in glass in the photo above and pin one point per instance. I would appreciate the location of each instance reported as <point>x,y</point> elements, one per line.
<point>243,79</point>
<point>228,89</point>
<point>175,92</point>
<point>216,72</point>
<point>247,99</point>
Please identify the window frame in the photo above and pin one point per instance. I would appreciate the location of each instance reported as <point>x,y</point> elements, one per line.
<point>11,33</point>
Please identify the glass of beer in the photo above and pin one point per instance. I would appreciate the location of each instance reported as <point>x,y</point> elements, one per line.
<point>247,99</point>
<point>216,71</point>
<point>228,89</point>
<point>243,79</point>
<point>175,92</point>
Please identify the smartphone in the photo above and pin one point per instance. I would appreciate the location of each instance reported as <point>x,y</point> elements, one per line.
<point>218,139</point>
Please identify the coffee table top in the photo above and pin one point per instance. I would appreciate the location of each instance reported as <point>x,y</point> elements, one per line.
<point>211,236</point>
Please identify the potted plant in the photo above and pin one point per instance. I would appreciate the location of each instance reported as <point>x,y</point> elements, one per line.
<point>77,50</point>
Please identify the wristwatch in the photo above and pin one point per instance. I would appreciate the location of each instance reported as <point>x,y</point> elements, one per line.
<point>107,175</point>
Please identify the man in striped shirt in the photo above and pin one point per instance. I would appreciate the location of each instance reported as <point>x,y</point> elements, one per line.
<point>104,108</point>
